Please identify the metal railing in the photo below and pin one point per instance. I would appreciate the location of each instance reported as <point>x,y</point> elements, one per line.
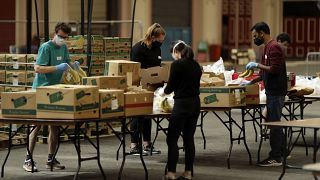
<point>312,63</point>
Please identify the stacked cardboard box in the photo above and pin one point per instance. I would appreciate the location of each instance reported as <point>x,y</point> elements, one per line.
<point>111,103</point>
<point>97,64</point>
<point>111,48</point>
<point>67,102</point>
<point>81,58</point>
<point>14,88</point>
<point>124,68</point>
<point>2,62</point>
<point>106,82</point>
<point>16,77</point>
<point>222,96</point>
<point>19,104</point>
<point>124,48</point>
<point>75,44</point>
<point>138,103</point>
<point>96,43</point>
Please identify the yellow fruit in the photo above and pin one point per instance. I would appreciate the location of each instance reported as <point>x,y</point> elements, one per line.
<point>165,106</point>
<point>250,72</point>
<point>244,73</point>
<point>70,77</point>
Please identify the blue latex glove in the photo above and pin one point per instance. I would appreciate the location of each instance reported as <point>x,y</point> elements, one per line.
<point>62,67</point>
<point>245,83</point>
<point>251,65</point>
<point>76,65</point>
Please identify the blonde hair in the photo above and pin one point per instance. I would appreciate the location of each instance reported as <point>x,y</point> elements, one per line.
<point>154,30</point>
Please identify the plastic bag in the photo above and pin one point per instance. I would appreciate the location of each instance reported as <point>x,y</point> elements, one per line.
<point>217,67</point>
<point>162,103</point>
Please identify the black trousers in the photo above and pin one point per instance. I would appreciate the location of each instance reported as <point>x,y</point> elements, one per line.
<point>183,119</point>
<point>144,125</point>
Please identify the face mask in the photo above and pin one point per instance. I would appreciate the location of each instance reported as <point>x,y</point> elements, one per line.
<point>174,56</point>
<point>156,43</point>
<point>59,41</point>
<point>258,41</point>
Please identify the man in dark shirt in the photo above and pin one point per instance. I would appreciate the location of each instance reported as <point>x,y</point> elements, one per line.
<point>274,75</point>
<point>148,53</point>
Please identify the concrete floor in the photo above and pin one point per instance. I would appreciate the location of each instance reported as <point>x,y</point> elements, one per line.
<point>210,163</point>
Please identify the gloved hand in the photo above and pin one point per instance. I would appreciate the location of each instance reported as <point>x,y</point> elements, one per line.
<point>245,83</point>
<point>251,65</point>
<point>62,67</point>
<point>76,65</point>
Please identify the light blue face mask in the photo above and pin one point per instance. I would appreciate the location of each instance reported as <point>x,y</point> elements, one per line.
<point>59,41</point>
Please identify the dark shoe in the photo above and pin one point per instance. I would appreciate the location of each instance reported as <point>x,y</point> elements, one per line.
<point>270,162</point>
<point>55,165</point>
<point>183,178</point>
<point>147,150</point>
<point>136,151</point>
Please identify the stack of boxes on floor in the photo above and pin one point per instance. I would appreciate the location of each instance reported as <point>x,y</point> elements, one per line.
<point>16,75</point>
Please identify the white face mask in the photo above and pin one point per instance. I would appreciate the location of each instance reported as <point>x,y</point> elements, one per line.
<point>59,41</point>
<point>175,56</point>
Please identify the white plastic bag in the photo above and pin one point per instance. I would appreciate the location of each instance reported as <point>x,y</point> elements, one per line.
<point>217,67</point>
<point>158,99</point>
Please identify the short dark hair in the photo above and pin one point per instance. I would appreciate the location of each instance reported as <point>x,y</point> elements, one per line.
<point>282,37</point>
<point>181,47</point>
<point>63,27</point>
<point>261,27</point>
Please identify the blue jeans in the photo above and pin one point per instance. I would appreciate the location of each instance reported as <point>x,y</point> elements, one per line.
<point>274,111</point>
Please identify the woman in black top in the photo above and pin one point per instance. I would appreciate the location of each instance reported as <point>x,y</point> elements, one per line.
<point>148,53</point>
<point>184,81</point>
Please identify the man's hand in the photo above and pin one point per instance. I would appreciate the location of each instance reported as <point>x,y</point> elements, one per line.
<point>62,67</point>
<point>251,65</point>
<point>76,65</point>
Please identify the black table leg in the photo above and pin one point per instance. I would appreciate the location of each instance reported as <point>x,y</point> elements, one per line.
<point>76,142</point>
<point>244,136</point>
<point>98,151</point>
<point>9,150</point>
<point>284,164</point>
<point>123,142</point>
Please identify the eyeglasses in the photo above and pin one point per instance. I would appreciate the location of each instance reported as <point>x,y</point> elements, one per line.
<point>62,37</point>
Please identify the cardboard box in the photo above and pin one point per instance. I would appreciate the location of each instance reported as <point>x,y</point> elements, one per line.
<point>111,42</point>
<point>30,75</point>
<point>111,103</point>
<point>2,60</point>
<point>81,58</point>
<point>252,94</point>
<point>106,82</point>
<point>19,104</point>
<point>75,42</point>
<point>291,78</point>
<point>14,88</point>
<point>138,103</point>
<point>2,76</point>
<point>68,102</point>
<point>97,71</point>
<point>31,60</point>
<point>1,90</point>
<point>124,42</point>
<point>222,96</point>
<point>154,75</point>
<point>212,79</point>
<point>21,58</point>
<point>123,68</point>
<point>16,77</point>
<point>16,66</point>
